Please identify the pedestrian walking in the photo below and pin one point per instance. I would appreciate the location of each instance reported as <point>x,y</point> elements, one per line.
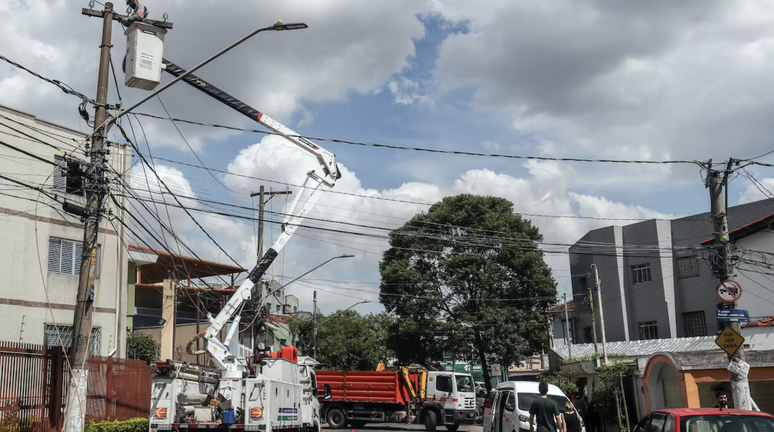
<point>571,419</point>
<point>549,419</point>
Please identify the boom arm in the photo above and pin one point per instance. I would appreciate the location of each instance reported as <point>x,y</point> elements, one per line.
<point>314,187</point>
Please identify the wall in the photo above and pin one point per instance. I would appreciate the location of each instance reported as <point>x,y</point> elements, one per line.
<point>759,338</point>
<point>757,289</point>
<point>25,295</point>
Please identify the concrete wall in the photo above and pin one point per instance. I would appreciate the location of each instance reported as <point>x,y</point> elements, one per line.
<point>25,294</point>
<point>757,288</point>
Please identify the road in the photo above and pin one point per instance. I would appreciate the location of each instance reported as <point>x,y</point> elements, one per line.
<point>401,427</point>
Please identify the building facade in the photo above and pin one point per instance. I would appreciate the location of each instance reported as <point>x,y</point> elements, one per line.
<point>42,244</point>
<point>655,277</point>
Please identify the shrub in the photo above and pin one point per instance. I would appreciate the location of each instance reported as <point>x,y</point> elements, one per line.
<point>141,347</point>
<point>133,425</point>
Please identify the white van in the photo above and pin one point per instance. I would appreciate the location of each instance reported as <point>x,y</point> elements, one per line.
<point>507,406</point>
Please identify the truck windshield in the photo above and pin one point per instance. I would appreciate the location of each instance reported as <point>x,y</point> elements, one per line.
<point>464,383</point>
<point>525,400</point>
<point>735,422</point>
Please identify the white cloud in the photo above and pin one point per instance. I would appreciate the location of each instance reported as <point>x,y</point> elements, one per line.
<point>651,80</point>
<point>406,92</point>
<point>491,145</point>
<point>349,47</point>
<point>759,192</point>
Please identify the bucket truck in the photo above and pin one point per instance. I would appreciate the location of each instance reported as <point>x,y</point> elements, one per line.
<point>268,391</point>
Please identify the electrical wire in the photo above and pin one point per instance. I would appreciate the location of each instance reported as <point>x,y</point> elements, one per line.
<point>419,149</point>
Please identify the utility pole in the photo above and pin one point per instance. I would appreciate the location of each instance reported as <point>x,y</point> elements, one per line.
<point>261,204</point>
<point>314,325</point>
<point>593,322</point>
<point>82,319</point>
<point>567,337</point>
<point>716,182</point>
<point>601,312</point>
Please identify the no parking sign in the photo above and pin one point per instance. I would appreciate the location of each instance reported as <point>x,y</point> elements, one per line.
<point>729,291</point>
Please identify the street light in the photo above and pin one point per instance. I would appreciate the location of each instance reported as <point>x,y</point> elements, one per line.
<point>315,325</point>
<point>341,312</point>
<point>278,26</point>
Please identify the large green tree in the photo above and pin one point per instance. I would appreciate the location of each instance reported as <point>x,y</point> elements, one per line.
<point>467,275</point>
<point>347,340</point>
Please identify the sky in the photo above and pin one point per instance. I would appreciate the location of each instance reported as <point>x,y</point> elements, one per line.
<point>595,79</point>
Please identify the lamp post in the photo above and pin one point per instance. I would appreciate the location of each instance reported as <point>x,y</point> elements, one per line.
<point>314,311</point>
<point>315,325</point>
<point>278,26</point>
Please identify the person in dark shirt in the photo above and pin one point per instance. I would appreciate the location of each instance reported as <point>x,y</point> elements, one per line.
<point>545,411</point>
<point>571,419</point>
<point>722,398</point>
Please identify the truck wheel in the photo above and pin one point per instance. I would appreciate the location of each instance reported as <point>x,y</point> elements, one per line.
<point>452,427</point>
<point>336,418</point>
<point>357,424</point>
<point>431,421</point>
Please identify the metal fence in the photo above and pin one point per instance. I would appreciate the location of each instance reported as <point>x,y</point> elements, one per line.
<point>33,388</point>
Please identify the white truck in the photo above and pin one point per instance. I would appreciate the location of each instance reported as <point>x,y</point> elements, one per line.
<point>269,391</point>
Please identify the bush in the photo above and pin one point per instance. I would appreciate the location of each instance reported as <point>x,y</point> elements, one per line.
<point>141,347</point>
<point>563,380</point>
<point>133,425</point>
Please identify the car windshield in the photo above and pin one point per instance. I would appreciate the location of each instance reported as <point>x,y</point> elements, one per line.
<point>726,423</point>
<point>525,400</point>
<point>464,383</point>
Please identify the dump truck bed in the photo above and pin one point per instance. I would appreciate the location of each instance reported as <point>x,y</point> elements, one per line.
<point>366,386</point>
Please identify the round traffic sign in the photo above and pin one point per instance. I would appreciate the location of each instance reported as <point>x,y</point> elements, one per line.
<point>729,291</point>
<point>496,369</point>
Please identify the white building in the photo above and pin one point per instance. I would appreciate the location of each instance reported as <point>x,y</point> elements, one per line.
<point>41,244</point>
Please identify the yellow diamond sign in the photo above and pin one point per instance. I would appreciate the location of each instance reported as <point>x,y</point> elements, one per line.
<point>729,341</point>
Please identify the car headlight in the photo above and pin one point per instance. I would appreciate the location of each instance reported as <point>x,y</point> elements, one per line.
<point>523,418</point>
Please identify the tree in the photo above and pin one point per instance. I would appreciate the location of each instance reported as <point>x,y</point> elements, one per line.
<point>141,347</point>
<point>347,340</point>
<point>473,262</point>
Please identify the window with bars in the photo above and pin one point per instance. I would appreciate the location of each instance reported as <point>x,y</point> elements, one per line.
<point>695,324</point>
<point>66,336</point>
<point>64,256</point>
<point>648,330</point>
<point>66,178</point>
<point>688,267</point>
<point>641,273</point>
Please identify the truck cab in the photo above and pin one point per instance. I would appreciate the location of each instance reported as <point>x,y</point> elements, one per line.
<point>453,397</point>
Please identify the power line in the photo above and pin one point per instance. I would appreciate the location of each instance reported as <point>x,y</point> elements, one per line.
<point>395,147</point>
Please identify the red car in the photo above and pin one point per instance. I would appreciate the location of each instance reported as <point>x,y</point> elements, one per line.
<point>705,420</point>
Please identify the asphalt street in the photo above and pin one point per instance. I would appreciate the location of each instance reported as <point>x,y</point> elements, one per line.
<point>402,427</point>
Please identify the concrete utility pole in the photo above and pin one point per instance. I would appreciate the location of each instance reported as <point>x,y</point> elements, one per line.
<point>261,204</point>
<point>82,319</point>
<point>314,326</point>
<point>593,322</point>
<point>716,182</point>
<point>597,282</point>
<point>567,337</point>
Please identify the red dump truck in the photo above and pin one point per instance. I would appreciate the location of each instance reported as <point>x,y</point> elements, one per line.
<point>432,398</point>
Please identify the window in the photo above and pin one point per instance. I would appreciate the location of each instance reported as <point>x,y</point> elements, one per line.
<point>587,334</point>
<point>64,257</point>
<point>695,324</point>
<point>525,400</point>
<point>688,267</point>
<point>641,273</point>
<point>648,330</point>
<point>464,383</point>
<point>510,403</point>
<point>69,177</point>
<point>279,308</point>
<point>444,384</point>
<point>66,334</point>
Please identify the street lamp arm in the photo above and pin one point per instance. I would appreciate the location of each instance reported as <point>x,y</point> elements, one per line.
<point>341,312</point>
<point>299,277</point>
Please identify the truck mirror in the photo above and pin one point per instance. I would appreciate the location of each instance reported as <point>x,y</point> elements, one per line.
<point>328,393</point>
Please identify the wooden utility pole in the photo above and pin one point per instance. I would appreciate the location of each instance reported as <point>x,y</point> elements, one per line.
<point>261,204</point>
<point>95,187</point>
<point>717,182</point>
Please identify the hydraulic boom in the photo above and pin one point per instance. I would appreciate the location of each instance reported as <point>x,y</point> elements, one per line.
<point>315,185</point>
